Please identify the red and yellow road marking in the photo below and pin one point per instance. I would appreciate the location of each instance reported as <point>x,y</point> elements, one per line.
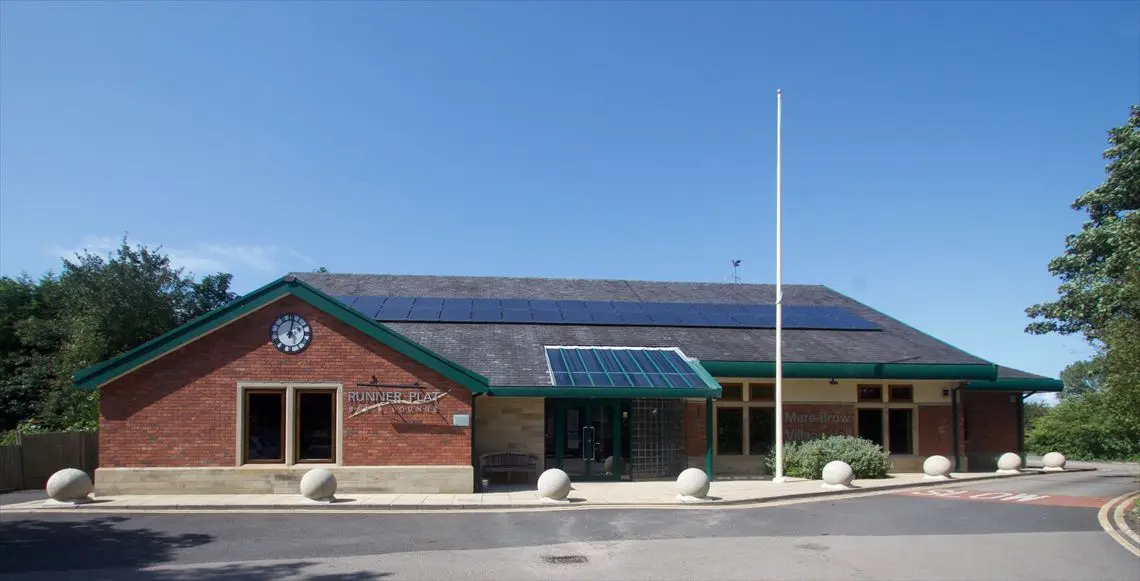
<point>1007,497</point>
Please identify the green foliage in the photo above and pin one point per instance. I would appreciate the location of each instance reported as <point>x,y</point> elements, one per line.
<point>1099,415</point>
<point>96,308</point>
<point>1084,428</point>
<point>1082,377</point>
<point>1034,410</point>
<point>807,459</point>
<point>1098,261</point>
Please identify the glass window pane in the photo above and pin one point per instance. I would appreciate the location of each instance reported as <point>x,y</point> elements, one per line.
<point>870,393</point>
<point>871,425</point>
<point>729,431</point>
<point>590,357</point>
<point>573,360</point>
<point>731,392</point>
<point>901,428</point>
<point>316,427</point>
<point>761,430</point>
<point>901,393</point>
<point>762,392</point>
<point>264,426</point>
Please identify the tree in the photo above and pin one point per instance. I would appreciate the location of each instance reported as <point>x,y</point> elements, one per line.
<point>1082,377</point>
<point>1098,261</point>
<point>1099,415</point>
<point>93,310</point>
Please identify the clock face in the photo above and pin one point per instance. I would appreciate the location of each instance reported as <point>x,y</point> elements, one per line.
<point>291,333</point>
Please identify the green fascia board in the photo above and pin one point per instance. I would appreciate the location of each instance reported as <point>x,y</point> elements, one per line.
<point>604,392</point>
<point>799,370</point>
<point>96,375</point>
<point>1017,384</point>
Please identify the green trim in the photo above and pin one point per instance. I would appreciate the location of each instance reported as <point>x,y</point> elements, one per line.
<point>709,437</point>
<point>607,392</point>
<point>985,371</point>
<point>1017,384</point>
<point>99,374</point>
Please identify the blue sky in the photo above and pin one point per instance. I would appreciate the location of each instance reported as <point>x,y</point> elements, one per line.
<point>931,150</point>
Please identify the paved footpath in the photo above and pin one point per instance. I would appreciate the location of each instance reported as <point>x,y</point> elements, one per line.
<point>584,495</point>
<point>868,536</point>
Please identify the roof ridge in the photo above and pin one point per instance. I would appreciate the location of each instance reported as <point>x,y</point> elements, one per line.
<point>555,278</point>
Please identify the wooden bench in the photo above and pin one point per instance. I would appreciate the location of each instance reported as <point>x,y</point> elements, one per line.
<point>507,462</point>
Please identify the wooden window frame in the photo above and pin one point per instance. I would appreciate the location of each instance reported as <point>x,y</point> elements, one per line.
<point>859,393</point>
<point>771,386</point>
<point>333,436</point>
<point>891,393</point>
<point>282,393</point>
<point>735,385</point>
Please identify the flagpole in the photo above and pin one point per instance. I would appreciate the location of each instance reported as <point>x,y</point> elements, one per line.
<point>779,476</point>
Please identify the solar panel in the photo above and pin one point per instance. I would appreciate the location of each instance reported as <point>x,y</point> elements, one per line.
<point>622,367</point>
<point>423,315</point>
<point>368,305</point>
<point>569,312</point>
<point>348,300</point>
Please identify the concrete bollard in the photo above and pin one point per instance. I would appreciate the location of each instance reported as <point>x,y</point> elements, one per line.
<point>69,486</point>
<point>319,484</point>
<point>936,468</point>
<point>553,486</point>
<point>837,475</point>
<point>693,485</point>
<point>1054,462</point>
<point>1009,463</point>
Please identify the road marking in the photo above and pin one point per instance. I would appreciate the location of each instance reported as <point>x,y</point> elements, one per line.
<point>1008,497</point>
<point>1132,540</point>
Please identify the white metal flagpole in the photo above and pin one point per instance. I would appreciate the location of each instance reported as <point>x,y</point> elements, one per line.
<point>779,476</point>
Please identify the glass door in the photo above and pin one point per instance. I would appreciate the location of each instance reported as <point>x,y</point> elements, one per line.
<point>588,438</point>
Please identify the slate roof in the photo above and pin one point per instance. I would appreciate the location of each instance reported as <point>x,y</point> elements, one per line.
<point>512,354</point>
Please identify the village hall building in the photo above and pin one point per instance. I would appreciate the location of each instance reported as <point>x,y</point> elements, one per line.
<point>436,383</point>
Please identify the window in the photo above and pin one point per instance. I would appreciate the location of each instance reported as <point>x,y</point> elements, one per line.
<point>762,392</point>
<point>732,392</point>
<point>901,426</point>
<point>761,430</point>
<point>730,431</point>
<point>902,393</point>
<point>870,393</point>
<point>265,426</point>
<point>871,425</point>
<point>316,426</point>
<point>288,424</point>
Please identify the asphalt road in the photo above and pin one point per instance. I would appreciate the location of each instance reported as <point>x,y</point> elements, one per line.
<point>888,536</point>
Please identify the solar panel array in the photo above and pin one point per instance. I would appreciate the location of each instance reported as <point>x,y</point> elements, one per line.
<point>555,312</point>
<point>596,367</point>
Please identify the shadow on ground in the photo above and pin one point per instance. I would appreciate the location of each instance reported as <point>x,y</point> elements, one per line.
<point>97,543</point>
<point>270,572</point>
<point>108,548</point>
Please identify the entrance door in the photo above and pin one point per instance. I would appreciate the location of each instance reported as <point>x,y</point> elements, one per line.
<point>588,438</point>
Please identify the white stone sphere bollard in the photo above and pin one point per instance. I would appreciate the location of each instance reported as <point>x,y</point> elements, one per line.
<point>553,486</point>
<point>318,484</point>
<point>692,485</point>
<point>1009,463</point>
<point>1054,461</point>
<point>608,465</point>
<point>70,486</point>
<point>837,475</point>
<point>936,468</point>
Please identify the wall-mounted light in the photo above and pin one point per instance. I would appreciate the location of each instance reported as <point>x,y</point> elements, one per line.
<point>833,382</point>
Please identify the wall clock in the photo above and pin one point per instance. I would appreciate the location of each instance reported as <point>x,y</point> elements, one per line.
<point>291,333</point>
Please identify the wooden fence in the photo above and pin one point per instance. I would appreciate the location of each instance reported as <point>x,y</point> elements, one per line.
<point>33,460</point>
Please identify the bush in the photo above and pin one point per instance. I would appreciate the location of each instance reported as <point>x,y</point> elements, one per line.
<point>1084,428</point>
<point>807,459</point>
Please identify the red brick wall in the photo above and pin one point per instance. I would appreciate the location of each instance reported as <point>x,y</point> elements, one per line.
<point>181,410</point>
<point>934,433</point>
<point>992,422</point>
<point>695,428</point>
<point>809,421</point>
